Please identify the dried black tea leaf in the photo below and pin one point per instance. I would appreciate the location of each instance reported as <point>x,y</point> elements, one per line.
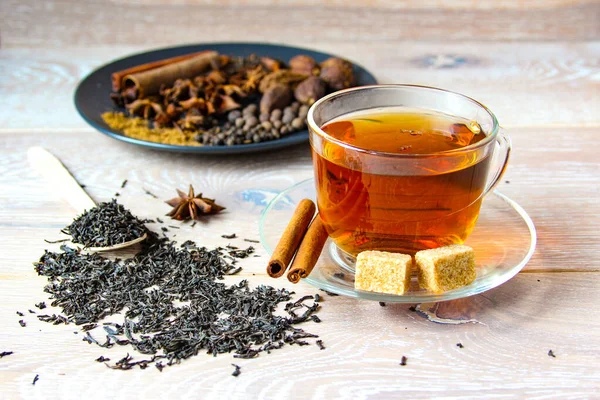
<point>551,353</point>
<point>149,193</point>
<point>403,360</point>
<point>105,225</point>
<point>173,305</point>
<point>54,319</point>
<point>35,379</point>
<point>6,353</point>
<point>56,241</point>
<point>22,323</point>
<point>236,372</point>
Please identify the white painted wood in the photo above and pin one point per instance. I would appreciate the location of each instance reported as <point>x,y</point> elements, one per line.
<point>535,63</point>
<point>529,84</point>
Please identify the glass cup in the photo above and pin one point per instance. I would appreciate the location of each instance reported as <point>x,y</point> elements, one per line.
<point>373,200</point>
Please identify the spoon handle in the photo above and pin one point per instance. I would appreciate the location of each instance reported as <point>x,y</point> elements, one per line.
<point>62,181</point>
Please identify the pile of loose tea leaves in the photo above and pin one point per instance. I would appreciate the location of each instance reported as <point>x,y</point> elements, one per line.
<point>106,224</point>
<point>171,303</point>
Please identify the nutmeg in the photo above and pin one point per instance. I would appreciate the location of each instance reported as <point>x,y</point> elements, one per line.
<point>276,97</point>
<point>337,73</point>
<point>271,64</point>
<point>281,77</point>
<point>310,90</point>
<point>304,64</point>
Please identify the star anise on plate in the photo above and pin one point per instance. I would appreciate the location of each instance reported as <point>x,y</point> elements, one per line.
<point>189,206</point>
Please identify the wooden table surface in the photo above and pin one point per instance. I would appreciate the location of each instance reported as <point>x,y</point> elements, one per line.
<point>535,63</point>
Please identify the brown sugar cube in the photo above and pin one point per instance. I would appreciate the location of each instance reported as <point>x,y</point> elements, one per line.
<point>446,268</point>
<point>383,272</point>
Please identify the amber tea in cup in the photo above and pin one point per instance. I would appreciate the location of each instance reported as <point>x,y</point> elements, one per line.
<point>401,178</point>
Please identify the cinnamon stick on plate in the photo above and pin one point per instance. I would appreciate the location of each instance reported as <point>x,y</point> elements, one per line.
<point>290,240</point>
<point>309,251</point>
<point>149,82</point>
<point>117,77</point>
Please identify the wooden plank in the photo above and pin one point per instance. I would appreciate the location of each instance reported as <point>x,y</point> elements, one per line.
<point>554,179</point>
<point>554,176</point>
<point>383,4</point>
<point>535,63</point>
<point>523,84</point>
<point>136,23</point>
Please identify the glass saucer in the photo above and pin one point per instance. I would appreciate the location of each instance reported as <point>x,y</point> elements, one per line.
<point>504,240</point>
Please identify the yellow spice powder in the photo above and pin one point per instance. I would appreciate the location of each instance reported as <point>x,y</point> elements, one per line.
<point>138,128</point>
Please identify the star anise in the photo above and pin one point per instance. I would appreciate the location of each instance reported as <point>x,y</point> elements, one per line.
<point>190,206</point>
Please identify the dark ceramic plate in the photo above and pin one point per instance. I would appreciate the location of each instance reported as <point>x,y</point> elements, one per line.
<point>92,95</point>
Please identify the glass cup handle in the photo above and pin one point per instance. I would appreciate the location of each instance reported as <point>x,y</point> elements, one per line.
<point>504,147</point>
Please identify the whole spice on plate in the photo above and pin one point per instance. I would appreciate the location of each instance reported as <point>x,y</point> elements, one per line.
<point>117,77</point>
<point>190,206</point>
<point>271,64</point>
<point>304,64</point>
<point>188,100</point>
<point>310,90</point>
<point>281,77</point>
<point>337,73</point>
<point>150,81</point>
<point>276,97</point>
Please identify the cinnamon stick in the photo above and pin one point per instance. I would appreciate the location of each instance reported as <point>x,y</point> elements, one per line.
<point>288,244</point>
<point>149,82</point>
<point>117,77</point>
<point>309,251</point>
